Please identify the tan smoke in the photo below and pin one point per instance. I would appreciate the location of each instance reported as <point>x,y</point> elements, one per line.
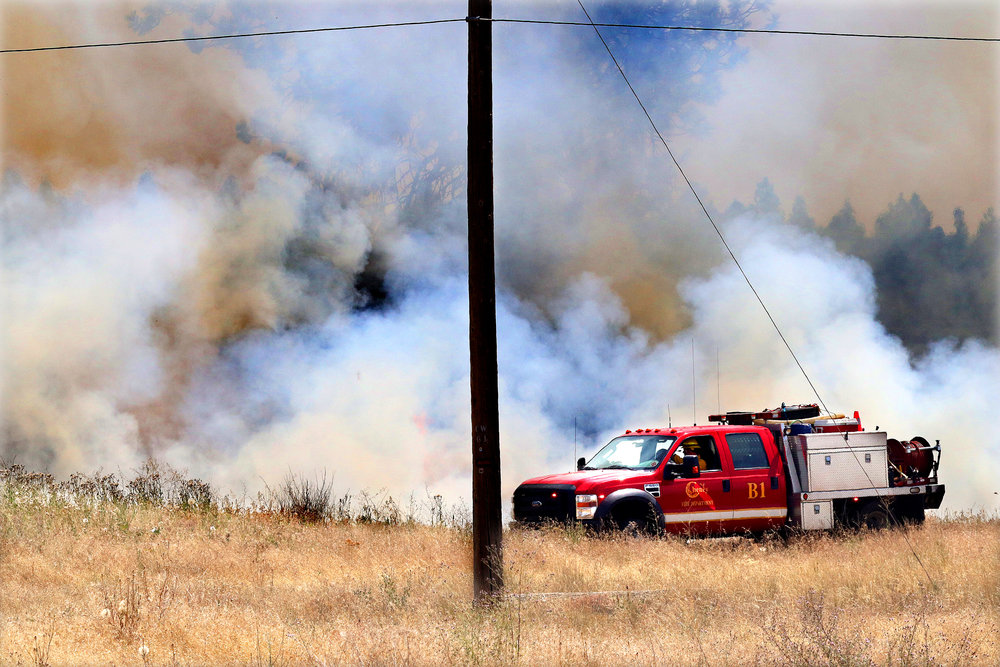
<point>109,114</point>
<point>93,121</point>
<point>832,118</point>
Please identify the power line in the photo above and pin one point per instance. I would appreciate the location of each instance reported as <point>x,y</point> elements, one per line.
<point>761,31</point>
<point>641,26</point>
<point>722,238</point>
<point>271,33</point>
<point>704,209</point>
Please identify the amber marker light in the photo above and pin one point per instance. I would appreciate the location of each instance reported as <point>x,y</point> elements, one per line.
<point>586,506</point>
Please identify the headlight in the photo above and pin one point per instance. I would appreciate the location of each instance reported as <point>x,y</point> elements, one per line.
<point>586,505</point>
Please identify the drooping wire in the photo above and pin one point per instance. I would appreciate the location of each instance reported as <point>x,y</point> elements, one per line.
<point>760,31</point>
<point>736,261</point>
<point>270,33</point>
<point>704,209</point>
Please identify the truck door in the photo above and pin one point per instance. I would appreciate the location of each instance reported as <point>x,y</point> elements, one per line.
<point>699,505</point>
<point>758,493</point>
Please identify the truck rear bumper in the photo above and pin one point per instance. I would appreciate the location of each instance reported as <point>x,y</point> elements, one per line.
<point>934,496</point>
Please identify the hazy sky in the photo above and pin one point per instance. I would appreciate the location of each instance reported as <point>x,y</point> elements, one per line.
<point>828,118</point>
<point>864,119</point>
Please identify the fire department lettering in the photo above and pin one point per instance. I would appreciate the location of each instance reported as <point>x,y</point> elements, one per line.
<point>694,489</point>
<point>698,494</point>
<point>755,490</point>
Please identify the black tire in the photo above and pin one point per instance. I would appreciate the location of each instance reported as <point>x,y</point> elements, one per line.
<point>636,520</point>
<point>876,516</point>
<point>634,526</point>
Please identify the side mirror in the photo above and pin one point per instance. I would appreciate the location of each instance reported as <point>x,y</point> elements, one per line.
<point>580,463</point>
<point>690,466</point>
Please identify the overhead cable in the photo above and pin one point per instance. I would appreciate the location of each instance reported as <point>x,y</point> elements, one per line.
<point>760,31</point>
<point>640,26</point>
<point>270,33</point>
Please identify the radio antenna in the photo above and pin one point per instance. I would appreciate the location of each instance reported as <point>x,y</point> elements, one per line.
<point>670,423</point>
<point>694,394</point>
<point>574,441</point>
<point>718,381</point>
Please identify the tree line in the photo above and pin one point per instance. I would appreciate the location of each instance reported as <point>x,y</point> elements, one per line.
<point>931,284</point>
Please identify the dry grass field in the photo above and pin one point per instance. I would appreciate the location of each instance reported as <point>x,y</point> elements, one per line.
<point>146,576</point>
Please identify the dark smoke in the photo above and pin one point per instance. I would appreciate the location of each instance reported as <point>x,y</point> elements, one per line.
<point>932,285</point>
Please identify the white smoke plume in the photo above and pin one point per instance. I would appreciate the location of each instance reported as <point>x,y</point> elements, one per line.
<point>380,398</point>
<point>825,305</point>
<point>209,306</point>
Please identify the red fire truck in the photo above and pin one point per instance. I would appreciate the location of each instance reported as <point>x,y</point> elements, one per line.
<point>749,472</point>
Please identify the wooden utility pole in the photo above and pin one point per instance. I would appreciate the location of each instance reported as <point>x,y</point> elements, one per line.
<point>487,530</point>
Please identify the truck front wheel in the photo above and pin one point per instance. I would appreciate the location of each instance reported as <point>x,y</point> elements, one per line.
<point>635,519</point>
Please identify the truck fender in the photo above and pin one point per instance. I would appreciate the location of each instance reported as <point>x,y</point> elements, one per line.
<point>606,509</point>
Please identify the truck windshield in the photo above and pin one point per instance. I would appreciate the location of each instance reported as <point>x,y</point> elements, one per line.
<point>632,452</point>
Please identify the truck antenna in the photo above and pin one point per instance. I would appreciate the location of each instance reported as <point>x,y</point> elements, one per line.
<point>670,423</point>
<point>574,441</point>
<point>718,381</point>
<point>694,394</point>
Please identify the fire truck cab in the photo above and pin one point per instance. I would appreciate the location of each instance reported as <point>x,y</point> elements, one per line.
<point>747,474</point>
<point>698,479</point>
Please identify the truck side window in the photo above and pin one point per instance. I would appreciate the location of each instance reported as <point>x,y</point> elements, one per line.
<point>704,447</point>
<point>747,450</point>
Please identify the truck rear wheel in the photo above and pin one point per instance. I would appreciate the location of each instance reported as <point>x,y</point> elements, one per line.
<point>876,516</point>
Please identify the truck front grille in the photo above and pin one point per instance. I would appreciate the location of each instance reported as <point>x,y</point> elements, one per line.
<point>540,503</point>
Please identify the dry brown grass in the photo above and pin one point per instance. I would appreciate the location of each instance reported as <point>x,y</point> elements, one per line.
<point>93,583</point>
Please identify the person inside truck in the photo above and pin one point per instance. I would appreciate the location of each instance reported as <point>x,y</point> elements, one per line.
<point>704,448</point>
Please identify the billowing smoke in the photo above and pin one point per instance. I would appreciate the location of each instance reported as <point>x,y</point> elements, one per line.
<point>74,118</point>
<point>289,293</point>
<point>825,303</point>
<point>861,119</point>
